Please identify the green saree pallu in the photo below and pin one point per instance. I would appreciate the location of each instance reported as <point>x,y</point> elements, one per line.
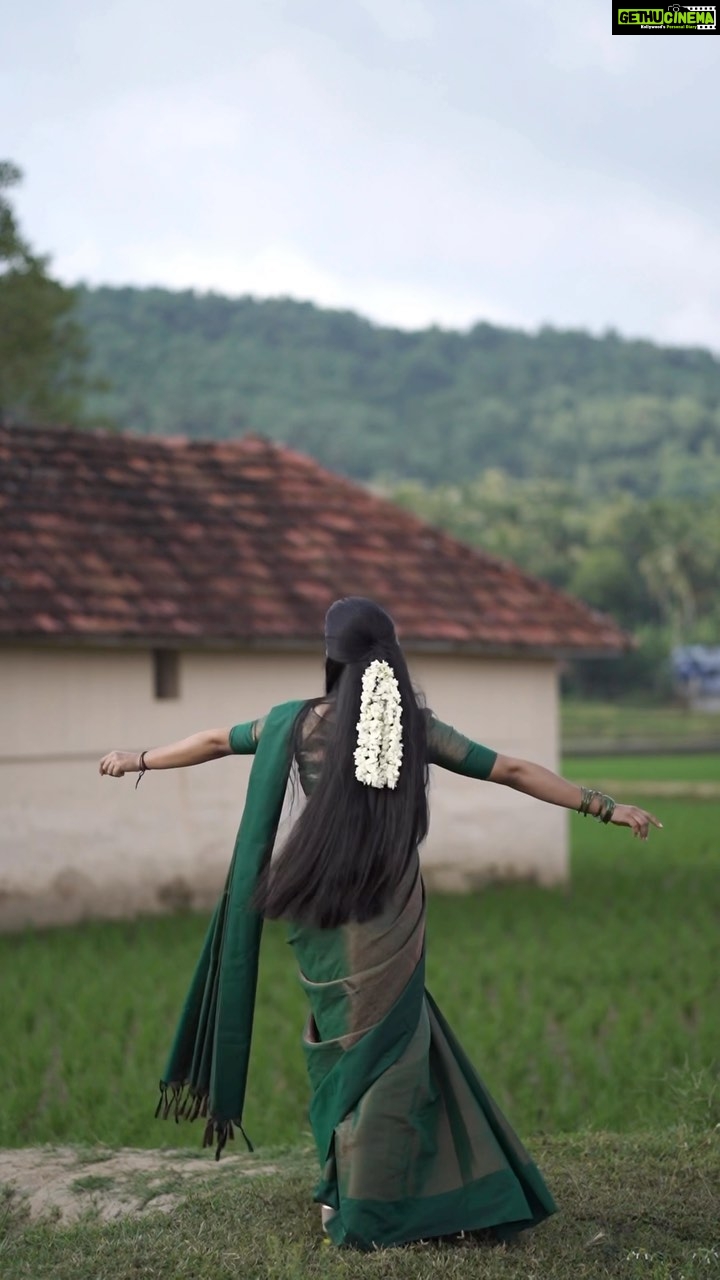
<point>206,1072</point>
<point>410,1142</point>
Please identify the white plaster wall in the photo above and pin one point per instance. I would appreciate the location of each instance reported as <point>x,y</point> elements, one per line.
<point>478,829</point>
<point>73,844</point>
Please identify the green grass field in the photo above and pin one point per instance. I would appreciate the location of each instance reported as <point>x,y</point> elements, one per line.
<point>701,767</point>
<point>662,728</point>
<point>592,1008</point>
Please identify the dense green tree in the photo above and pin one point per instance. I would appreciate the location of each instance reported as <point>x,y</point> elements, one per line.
<point>42,345</point>
<point>651,563</point>
<point>599,414</point>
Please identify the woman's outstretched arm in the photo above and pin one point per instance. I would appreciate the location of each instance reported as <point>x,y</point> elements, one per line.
<point>210,744</point>
<point>543,784</point>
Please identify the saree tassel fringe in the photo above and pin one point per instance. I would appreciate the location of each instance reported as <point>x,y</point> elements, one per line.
<point>218,1132</point>
<point>181,1102</point>
<point>248,1143</point>
<point>184,1103</point>
<point>161,1100</point>
<point>169,1101</point>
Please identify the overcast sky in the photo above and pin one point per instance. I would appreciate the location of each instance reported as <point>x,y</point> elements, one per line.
<point>418,161</point>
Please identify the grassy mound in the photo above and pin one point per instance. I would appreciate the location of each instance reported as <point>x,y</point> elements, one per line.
<point>635,1208</point>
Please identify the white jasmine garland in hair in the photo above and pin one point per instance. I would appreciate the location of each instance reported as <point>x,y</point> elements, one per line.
<point>378,755</point>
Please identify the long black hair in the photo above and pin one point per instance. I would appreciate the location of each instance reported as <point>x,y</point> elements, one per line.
<point>351,845</point>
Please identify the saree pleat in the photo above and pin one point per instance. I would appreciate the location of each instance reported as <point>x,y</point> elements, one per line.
<point>411,1143</point>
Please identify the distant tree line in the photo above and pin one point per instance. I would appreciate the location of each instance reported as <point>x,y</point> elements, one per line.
<point>603,414</point>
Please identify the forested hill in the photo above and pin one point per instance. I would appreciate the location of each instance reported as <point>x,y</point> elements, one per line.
<point>433,405</point>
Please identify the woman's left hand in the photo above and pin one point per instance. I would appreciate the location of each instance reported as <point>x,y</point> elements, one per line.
<point>117,763</point>
<point>639,820</point>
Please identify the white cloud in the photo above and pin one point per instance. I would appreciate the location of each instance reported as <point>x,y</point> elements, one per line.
<point>580,37</point>
<point>280,270</point>
<point>401,20</point>
<point>412,159</point>
<point>694,323</point>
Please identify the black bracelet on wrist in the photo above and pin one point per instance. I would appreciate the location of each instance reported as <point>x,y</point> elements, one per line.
<point>142,770</point>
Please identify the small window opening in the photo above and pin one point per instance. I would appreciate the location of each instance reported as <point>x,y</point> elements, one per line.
<point>166,673</point>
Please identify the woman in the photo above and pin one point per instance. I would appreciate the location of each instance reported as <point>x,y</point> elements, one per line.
<point>411,1144</point>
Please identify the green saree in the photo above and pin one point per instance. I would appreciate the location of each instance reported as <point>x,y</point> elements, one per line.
<point>411,1144</point>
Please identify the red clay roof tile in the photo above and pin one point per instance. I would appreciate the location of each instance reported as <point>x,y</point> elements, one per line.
<point>242,541</point>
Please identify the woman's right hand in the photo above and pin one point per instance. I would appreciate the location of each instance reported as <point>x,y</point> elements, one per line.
<point>639,820</point>
<point>117,763</point>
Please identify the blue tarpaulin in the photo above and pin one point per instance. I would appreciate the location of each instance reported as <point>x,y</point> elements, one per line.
<point>697,666</point>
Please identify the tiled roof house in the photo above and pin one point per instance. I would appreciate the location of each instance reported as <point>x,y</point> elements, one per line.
<point>246,542</point>
<point>151,588</point>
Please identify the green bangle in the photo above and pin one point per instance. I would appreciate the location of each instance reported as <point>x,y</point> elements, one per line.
<point>607,809</point>
<point>607,804</point>
<point>587,795</point>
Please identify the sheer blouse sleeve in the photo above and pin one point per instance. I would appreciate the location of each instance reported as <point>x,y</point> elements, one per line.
<point>452,750</point>
<point>245,737</point>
